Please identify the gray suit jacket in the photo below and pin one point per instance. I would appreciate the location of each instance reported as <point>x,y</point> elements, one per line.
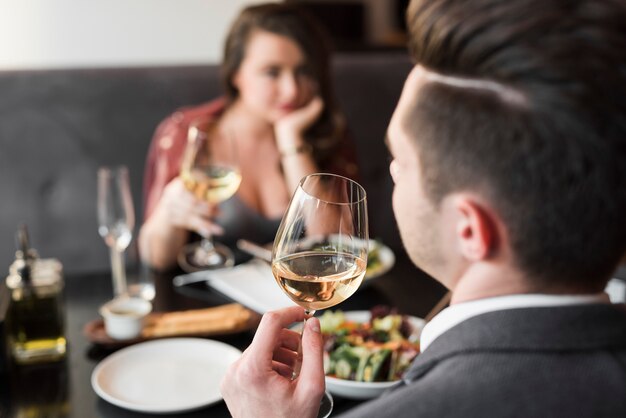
<point>530,362</point>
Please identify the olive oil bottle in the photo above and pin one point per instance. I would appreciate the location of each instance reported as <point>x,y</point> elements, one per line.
<point>36,320</point>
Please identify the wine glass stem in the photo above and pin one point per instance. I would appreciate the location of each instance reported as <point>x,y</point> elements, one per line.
<point>298,365</point>
<point>119,272</point>
<point>207,244</point>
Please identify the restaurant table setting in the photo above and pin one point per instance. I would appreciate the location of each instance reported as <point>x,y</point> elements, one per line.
<point>152,342</point>
<point>64,388</point>
<point>127,344</point>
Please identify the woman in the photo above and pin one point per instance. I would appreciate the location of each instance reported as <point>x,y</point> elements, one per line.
<point>279,110</point>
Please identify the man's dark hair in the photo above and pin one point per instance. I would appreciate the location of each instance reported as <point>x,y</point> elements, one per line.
<point>548,145</point>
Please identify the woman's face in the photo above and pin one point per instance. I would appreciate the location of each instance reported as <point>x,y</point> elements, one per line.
<point>272,80</point>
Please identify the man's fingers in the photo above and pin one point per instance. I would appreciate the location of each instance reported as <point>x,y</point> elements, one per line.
<point>285,356</point>
<point>290,339</point>
<point>282,369</point>
<point>312,371</point>
<point>268,335</point>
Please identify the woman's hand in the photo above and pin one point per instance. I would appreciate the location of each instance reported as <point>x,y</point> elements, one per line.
<point>296,161</point>
<point>166,230</point>
<point>259,383</point>
<point>180,208</point>
<point>297,122</point>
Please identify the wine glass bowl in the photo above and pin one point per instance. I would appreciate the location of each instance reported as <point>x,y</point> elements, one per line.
<point>213,184</point>
<point>210,171</point>
<point>319,256</point>
<point>117,236</point>
<point>319,279</point>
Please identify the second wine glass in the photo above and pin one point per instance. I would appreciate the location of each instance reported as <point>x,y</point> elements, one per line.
<point>116,220</point>
<point>320,251</point>
<point>211,172</point>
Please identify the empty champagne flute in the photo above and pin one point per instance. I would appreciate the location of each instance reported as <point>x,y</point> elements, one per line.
<point>116,220</point>
<point>320,251</point>
<point>211,172</point>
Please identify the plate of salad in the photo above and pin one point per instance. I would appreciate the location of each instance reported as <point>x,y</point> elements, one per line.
<point>380,259</point>
<point>366,352</point>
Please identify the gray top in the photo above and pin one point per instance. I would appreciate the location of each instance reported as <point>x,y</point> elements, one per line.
<point>529,362</point>
<point>241,221</point>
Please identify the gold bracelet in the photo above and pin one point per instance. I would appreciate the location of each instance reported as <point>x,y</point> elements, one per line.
<point>304,148</point>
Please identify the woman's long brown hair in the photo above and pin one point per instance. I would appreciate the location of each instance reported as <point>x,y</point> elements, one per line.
<point>291,22</point>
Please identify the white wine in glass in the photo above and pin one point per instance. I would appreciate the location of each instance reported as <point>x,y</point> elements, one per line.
<point>210,171</point>
<point>214,184</point>
<point>116,220</point>
<point>319,279</point>
<point>320,251</point>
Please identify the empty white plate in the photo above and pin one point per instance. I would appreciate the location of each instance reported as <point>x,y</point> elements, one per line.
<point>164,376</point>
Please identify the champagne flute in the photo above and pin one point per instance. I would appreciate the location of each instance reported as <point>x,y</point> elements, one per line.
<point>116,220</point>
<point>210,171</point>
<point>320,251</point>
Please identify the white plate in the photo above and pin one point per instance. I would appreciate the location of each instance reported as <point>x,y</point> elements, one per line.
<point>366,390</point>
<point>164,376</point>
<point>387,260</point>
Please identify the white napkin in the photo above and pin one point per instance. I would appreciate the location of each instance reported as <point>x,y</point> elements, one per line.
<point>616,290</point>
<point>252,284</point>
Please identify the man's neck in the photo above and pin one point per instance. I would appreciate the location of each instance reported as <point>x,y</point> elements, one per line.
<point>486,280</point>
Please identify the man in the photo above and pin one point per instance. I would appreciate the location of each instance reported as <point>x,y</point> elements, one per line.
<point>509,163</point>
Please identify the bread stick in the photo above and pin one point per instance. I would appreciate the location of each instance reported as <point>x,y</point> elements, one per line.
<point>220,319</point>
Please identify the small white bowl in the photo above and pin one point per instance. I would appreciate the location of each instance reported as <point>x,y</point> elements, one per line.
<point>124,317</point>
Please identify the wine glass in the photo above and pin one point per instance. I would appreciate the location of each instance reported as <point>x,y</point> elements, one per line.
<point>116,220</point>
<point>210,171</point>
<point>320,251</point>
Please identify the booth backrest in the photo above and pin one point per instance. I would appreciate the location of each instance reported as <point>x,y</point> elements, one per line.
<point>57,127</point>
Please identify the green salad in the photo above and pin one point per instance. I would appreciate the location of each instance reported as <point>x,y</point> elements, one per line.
<point>379,350</point>
<point>373,256</point>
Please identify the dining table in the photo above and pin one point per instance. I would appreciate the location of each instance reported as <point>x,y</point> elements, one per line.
<point>63,388</point>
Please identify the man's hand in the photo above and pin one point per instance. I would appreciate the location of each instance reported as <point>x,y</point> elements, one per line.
<point>259,384</point>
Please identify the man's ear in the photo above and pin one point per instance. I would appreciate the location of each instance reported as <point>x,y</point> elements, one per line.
<point>476,231</point>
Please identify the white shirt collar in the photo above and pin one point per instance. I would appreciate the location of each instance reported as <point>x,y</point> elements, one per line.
<point>460,312</point>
